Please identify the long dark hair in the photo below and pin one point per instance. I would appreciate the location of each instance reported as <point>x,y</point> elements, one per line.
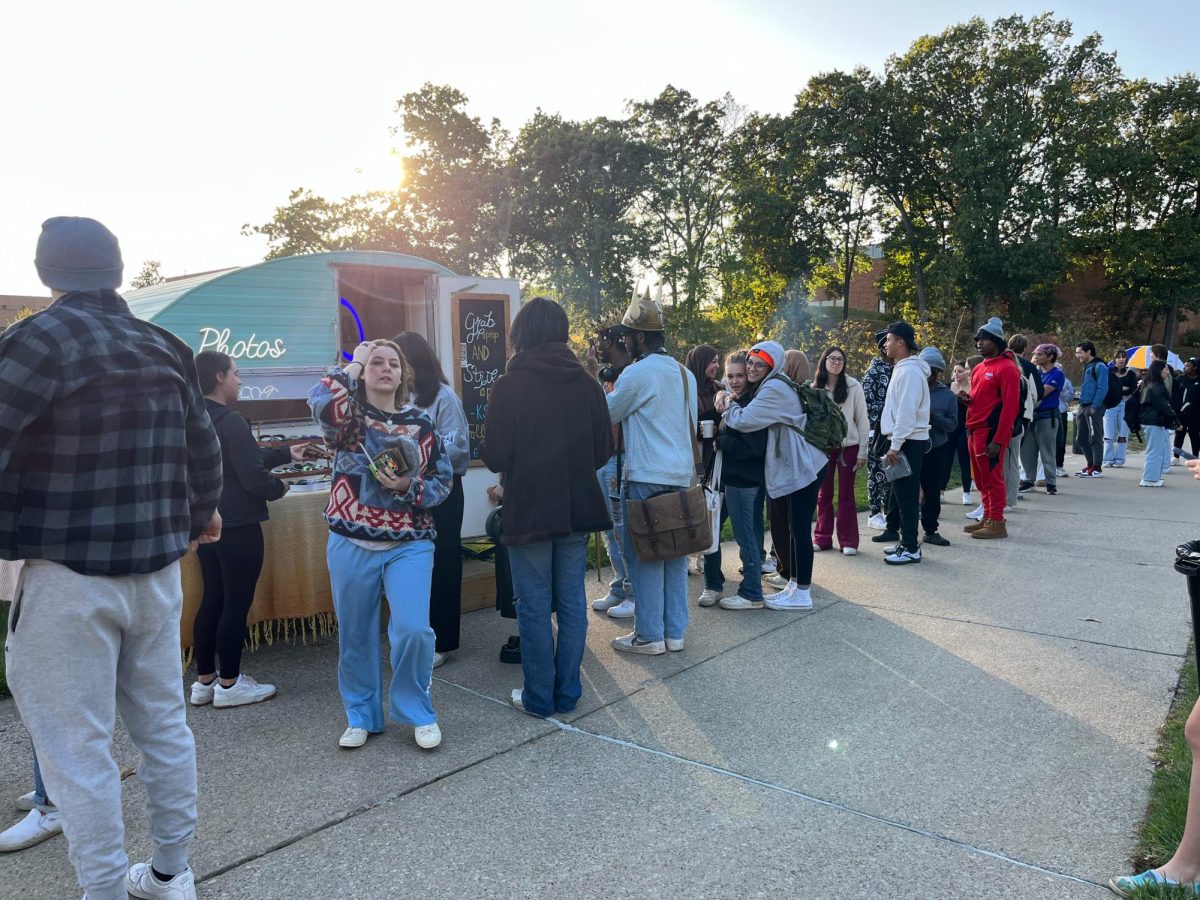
<point>698,360</point>
<point>540,321</point>
<point>1154,375</point>
<point>427,372</point>
<point>842,391</point>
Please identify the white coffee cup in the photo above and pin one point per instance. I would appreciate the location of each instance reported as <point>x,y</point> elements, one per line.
<point>708,428</point>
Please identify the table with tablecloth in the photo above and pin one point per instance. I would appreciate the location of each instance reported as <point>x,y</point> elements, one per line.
<point>293,590</point>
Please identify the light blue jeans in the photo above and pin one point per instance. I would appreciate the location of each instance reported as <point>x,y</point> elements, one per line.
<point>358,578</point>
<point>1158,453</point>
<point>1116,435</point>
<point>543,572</point>
<point>660,587</point>
<point>745,511</point>
<point>619,587</point>
<point>1168,443</point>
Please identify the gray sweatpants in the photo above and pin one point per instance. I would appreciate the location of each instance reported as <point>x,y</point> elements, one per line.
<point>80,649</point>
<point>1012,469</point>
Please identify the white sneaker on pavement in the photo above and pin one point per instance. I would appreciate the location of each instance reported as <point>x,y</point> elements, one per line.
<point>967,501</point>
<point>202,694</point>
<point>849,551</point>
<point>975,514</point>
<point>878,522</point>
<point>37,826</point>
<point>776,581</point>
<point>791,587</point>
<point>242,692</point>
<point>27,802</point>
<point>427,736</point>
<point>439,659</point>
<point>141,883</point>
<point>768,566</point>
<point>353,738</point>
<point>623,610</point>
<point>674,644</point>
<point>799,598</point>
<point>630,644</point>
<point>604,604</point>
<point>737,601</point>
<point>709,597</point>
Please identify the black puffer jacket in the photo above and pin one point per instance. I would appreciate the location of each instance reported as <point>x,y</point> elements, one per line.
<point>247,467</point>
<point>1156,408</point>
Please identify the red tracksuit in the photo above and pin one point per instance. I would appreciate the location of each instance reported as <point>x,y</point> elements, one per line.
<point>991,414</point>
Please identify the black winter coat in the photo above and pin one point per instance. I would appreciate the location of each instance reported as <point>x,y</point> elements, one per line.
<point>1156,409</point>
<point>247,467</point>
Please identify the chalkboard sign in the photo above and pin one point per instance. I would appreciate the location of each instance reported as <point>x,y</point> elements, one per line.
<point>480,354</point>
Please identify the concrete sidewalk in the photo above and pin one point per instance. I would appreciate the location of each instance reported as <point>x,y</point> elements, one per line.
<point>978,725</point>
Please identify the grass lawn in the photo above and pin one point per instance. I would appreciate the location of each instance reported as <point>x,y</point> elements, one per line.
<point>1160,831</point>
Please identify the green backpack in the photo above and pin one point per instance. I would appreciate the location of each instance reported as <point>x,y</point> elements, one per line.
<point>824,422</point>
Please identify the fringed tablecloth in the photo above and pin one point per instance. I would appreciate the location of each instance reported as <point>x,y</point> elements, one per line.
<point>293,599</point>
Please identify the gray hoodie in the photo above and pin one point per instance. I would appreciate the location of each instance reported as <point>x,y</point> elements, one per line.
<point>906,409</point>
<point>792,463</point>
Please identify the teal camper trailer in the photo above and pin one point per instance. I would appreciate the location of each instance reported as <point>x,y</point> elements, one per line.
<point>286,321</point>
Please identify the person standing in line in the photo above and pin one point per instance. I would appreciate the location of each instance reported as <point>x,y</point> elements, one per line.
<point>1158,418</point>
<point>654,401</point>
<point>714,576</point>
<point>619,602</point>
<point>904,425</point>
<point>844,462</point>
<point>875,384</point>
<point>1089,420</point>
<point>389,471</point>
<point>230,567</point>
<point>110,471</point>
<point>547,432</point>
<point>41,822</point>
<point>794,468</point>
<point>433,395</point>
<point>797,368</point>
<point>743,476</point>
<point>704,364</point>
<point>1014,462</point>
<point>1187,405</point>
<point>1116,430</point>
<point>1046,417</point>
<point>943,422</point>
<point>1066,398</point>
<point>973,361</point>
<point>991,418</point>
<point>960,384</point>
<point>1163,355</point>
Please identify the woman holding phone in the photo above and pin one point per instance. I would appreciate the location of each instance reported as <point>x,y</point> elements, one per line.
<point>389,471</point>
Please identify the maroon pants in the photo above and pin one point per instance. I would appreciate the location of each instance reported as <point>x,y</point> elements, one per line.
<point>989,474</point>
<point>841,467</point>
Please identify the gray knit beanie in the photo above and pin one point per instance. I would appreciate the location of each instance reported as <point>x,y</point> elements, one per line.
<point>78,254</point>
<point>995,328</point>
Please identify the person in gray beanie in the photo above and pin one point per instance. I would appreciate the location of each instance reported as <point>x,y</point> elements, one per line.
<point>943,422</point>
<point>109,472</point>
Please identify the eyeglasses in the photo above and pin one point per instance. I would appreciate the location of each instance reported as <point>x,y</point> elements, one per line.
<point>756,364</point>
<point>835,359</point>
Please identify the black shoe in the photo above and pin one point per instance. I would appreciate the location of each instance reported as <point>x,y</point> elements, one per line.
<point>1051,489</point>
<point>511,651</point>
<point>1024,487</point>
<point>936,539</point>
<point>886,537</point>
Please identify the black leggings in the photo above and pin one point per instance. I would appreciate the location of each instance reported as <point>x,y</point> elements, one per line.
<point>230,568</point>
<point>1060,446</point>
<point>802,504</point>
<point>1191,427</point>
<point>958,445</point>
<point>445,596</point>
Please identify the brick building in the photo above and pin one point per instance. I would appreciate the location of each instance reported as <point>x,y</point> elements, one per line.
<point>12,304</point>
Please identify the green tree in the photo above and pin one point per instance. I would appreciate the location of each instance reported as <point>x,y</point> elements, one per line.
<point>150,274</point>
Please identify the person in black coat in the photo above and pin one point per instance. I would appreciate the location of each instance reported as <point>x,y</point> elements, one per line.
<point>231,566</point>
<point>547,432</point>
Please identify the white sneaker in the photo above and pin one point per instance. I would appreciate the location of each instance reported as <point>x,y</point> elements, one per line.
<point>427,736</point>
<point>439,659</point>
<point>849,551</point>
<point>967,501</point>
<point>242,692</point>
<point>27,802</point>
<point>36,827</point>
<point>1175,461</point>
<point>1145,483</point>
<point>202,694</point>
<point>604,604</point>
<point>515,698</point>
<point>140,882</point>
<point>630,644</point>
<point>791,586</point>
<point>878,522</point>
<point>737,601</point>
<point>1060,472</point>
<point>975,514</point>
<point>353,738</point>
<point>776,581</point>
<point>768,566</point>
<point>709,597</point>
<point>798,598</point>
<point>903,557</point>
<point>674,644</point>
<point>623,610</point>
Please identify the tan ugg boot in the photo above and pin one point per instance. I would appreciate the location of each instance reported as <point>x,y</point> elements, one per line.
<point>974,526</point>
<point>991,529</point>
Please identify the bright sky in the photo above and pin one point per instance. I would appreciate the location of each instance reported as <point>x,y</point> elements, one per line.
<point>176,122</point>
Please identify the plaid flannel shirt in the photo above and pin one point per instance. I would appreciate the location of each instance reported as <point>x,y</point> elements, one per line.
<point>109,464</point>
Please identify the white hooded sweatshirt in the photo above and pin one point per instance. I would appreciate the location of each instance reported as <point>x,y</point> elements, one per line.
<point>906,407</point>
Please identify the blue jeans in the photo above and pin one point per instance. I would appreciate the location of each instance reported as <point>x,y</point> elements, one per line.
<point>746,510</point>
<point>359,577</point>
<point>660,587</point>
<point>1116,435</point>
<point>1158,454</point>
<point>543,571</point>
<point>39,787</point>
<point>619,587</point>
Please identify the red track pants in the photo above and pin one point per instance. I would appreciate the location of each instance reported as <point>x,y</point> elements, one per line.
<point>988,474</point>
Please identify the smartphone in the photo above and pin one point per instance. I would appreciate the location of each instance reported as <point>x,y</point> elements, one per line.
<point>1183,454</point>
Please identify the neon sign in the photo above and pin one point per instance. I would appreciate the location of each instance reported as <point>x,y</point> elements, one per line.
<point>250,348</point>
<point>362,335</point>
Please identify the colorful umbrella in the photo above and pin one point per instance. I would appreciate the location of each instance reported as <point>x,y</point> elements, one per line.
<point>1141,357</point>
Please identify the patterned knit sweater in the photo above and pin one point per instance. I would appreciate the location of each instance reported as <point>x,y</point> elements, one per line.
<point>359,506</point>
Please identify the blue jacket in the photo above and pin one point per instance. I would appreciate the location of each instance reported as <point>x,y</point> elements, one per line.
<point>1095,384</point>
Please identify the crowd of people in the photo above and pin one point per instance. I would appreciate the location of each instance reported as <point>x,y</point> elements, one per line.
<point>121,452</point>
